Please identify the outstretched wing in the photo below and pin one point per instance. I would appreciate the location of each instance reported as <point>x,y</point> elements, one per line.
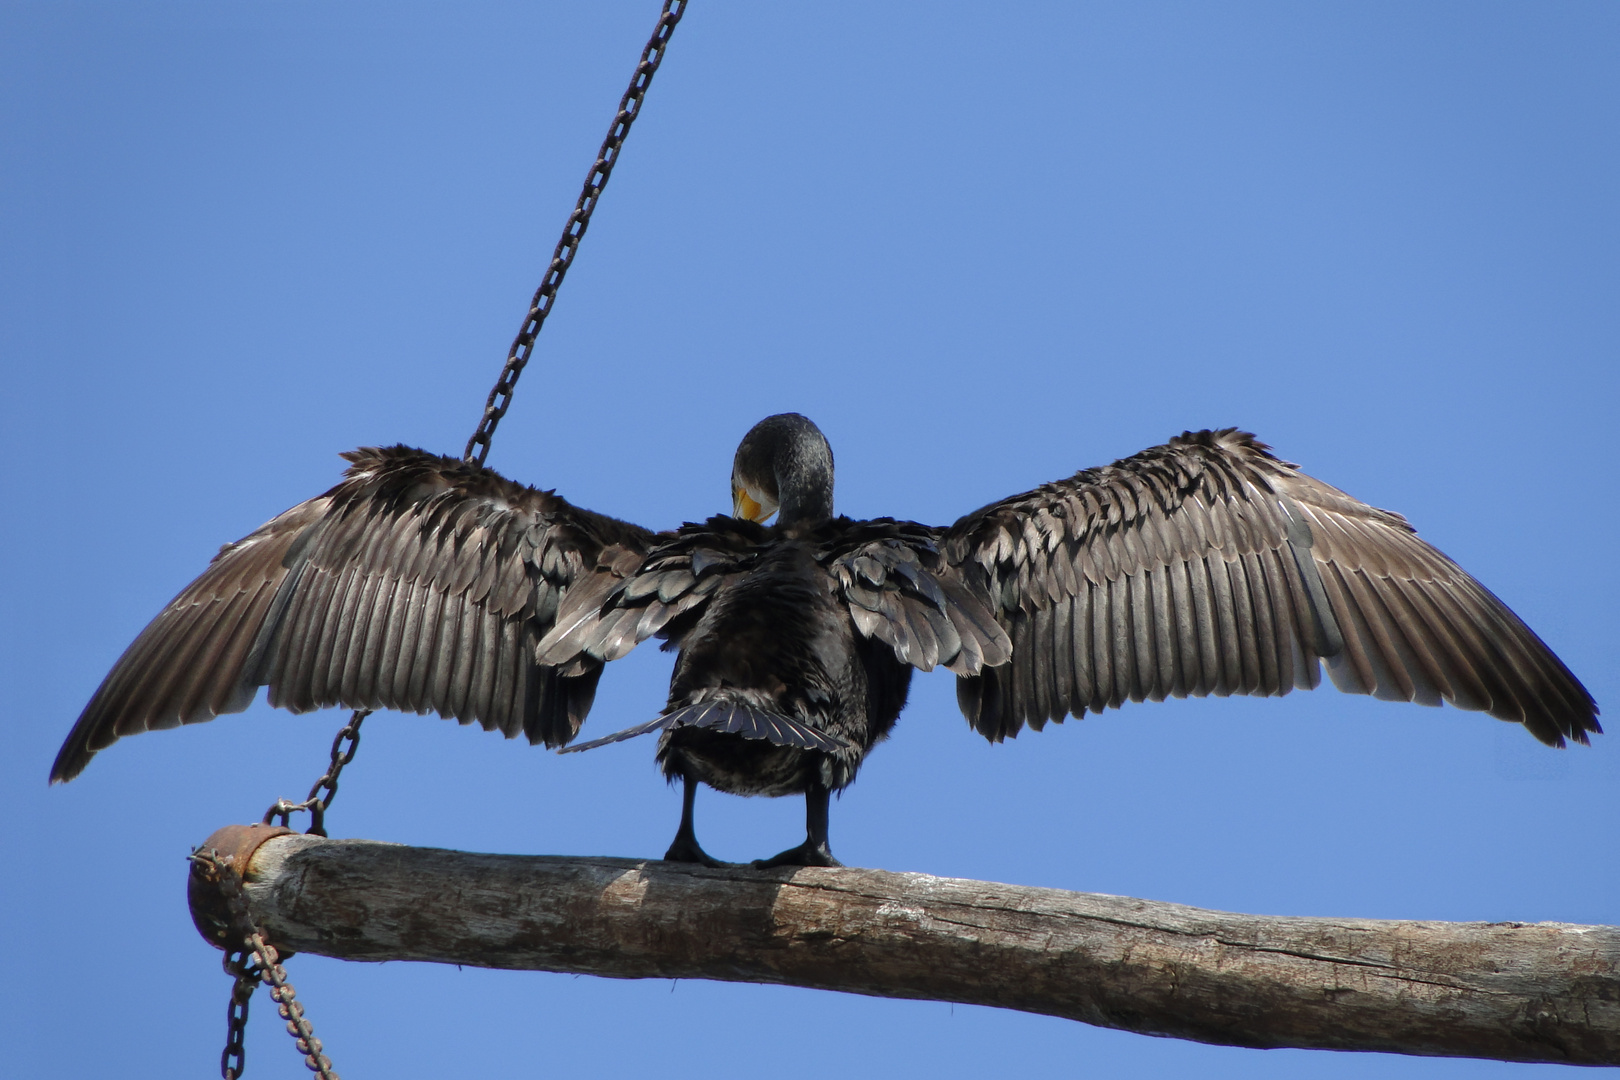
<point>1209,566</point>
<point>419,583</point>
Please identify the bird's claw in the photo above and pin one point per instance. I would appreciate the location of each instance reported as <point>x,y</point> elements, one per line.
<point>685,849</point>
<point>806,854</point>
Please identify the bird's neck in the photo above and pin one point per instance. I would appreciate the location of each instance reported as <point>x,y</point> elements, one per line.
<point>804,476</point>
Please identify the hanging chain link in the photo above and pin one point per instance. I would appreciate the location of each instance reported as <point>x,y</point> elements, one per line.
<point>500,398</point>
<point>343,749</point>
<point>256,962</point>
<point>240,966</point>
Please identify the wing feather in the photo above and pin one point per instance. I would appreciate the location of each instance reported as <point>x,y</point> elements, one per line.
<point>460,629</point>
<point>324,594</point>
<point>898,590</point>
<point>223,651</point>
<point>381,647</point>
<point>431,650</point>
<point>1139,608</point>
<point>507,671</point>
<point>1210,566</point>
<point>1364,646</point>
<point>229,690</point>
<point>1062,662</point>
<point>1084,695</point>
<point>1207,676</point>
<point>486,674</point>
<point>418,583</point>
<point>181,682</point>
<point>337,625</point>
<point>173,682</point>
<point>1040,666</point>
<point>1118,640</point>
<point>350,662</point>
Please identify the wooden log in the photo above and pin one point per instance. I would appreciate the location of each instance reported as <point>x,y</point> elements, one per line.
<point>1520,992</point>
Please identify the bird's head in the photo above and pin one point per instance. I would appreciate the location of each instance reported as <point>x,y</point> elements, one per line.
<point>783,463</point>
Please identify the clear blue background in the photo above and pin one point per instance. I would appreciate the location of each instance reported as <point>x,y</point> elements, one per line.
<point>982,246</point>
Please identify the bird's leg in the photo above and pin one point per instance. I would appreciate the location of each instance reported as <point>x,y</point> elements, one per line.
<point>686,848</point>
<point>814,851</point>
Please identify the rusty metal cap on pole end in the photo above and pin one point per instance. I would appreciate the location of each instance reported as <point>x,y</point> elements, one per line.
<point>210,912</point>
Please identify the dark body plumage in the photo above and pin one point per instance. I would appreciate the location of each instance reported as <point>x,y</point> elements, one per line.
<point>1204,566</point>
<point>776,637</point>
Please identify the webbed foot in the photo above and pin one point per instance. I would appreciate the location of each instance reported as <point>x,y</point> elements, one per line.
<point>806,854</point>
<point>686,849</point>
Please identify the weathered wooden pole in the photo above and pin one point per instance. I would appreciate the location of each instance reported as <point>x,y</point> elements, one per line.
<point>1520,992</point>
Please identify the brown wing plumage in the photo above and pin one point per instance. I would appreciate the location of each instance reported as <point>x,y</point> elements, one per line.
<point>1209,566</point>
<point>606,619</point>
<point>900,591</point>
<point>890,575</point>
<point>418,583</point>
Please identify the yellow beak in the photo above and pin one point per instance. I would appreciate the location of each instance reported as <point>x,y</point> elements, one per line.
<point>742,506</point>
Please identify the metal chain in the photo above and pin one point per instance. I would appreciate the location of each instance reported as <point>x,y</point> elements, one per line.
<point>500,398</point>
<point>245,975</point>
<point>343,749</point>
<point>257,962</point>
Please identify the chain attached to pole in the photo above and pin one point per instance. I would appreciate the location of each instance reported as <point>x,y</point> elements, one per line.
<point>343,749</point>
<point>255,961</point>
<point>500,398</point>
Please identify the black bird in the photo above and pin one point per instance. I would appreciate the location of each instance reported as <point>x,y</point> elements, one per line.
<point>1204,566</point>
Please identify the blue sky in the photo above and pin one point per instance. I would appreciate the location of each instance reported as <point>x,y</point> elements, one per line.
<point>982,247</point>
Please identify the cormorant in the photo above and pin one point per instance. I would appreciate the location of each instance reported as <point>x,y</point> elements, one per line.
<point>1204,566</point>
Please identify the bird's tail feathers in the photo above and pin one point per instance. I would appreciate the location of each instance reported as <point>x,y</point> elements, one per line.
<point>735,717</point>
